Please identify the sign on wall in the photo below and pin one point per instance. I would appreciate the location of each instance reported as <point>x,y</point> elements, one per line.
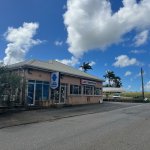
<point>88,82</point>
<point>54,83</point>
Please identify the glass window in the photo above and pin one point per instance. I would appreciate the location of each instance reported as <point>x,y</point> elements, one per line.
<point>45,92</point>
<point>31,81</point>
<point>88,90</point>
<point>45,82</point>
<point>41,89</point>
<point>96,91</point>
<point>75,89</point>
<point>39,82</point>
<point>38,92</point>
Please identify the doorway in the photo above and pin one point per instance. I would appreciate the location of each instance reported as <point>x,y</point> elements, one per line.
<point>59,95</point>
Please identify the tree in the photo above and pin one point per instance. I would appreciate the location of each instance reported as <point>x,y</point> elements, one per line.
<point>110,76</point>
<point>86,66</point>
<point>117,81</point>
<point>9,83</point>
<point>113,80</point>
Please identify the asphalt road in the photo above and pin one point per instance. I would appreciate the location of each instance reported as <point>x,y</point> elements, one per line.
<point>122,129</point>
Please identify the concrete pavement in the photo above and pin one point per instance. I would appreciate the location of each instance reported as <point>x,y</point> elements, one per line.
<point>41,115</point>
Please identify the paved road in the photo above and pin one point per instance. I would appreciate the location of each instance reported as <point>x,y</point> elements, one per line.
<point>41,115</point>
<point>122,129</point>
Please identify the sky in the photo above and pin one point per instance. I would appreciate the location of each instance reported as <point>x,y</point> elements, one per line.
<point>110,34</point>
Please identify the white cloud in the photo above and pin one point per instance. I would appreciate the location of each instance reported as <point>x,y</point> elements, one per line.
<point>20,40</point>
<point>105,64</point>
<point>141,38</point>
<point>128,73</point>
<point>147,86</point>
<point>129,87</point>
<point>92,63</point>
<point>124,61</point>
<point>71,62</point>
<point>138,51</point>
<point>92,24</point>
<point>58,43</point>
<point>139,74</point>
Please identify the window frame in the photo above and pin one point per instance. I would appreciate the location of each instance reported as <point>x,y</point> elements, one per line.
<point>79,89</point>
<point>85,87</point>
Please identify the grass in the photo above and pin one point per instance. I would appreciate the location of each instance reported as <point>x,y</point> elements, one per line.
<point>130,97</point>
<point>135,94</point>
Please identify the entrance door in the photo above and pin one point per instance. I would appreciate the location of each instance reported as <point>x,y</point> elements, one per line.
<point>59,95</point>
<point>55,95</point>
<point>30,96</point>
<point>63,93</point>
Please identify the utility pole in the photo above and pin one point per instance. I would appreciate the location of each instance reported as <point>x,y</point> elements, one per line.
<point>142,83</point>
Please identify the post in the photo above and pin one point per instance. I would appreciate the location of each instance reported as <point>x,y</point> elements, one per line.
<point>142,83</point>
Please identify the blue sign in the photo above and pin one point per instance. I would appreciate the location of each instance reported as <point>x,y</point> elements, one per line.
<point>54,83</point>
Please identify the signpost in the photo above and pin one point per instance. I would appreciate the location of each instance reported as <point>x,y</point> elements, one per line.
<point>55,80</point>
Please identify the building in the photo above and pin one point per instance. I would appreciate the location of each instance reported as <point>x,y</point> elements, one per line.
<point>49,83</point>
<point>112,92</point>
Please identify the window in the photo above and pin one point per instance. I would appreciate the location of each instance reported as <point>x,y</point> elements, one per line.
<point>88,90</point>
<point>45,91</point>
<point>75,89</point>
<point>38,92</point>
<point>41,89</point>
<point>97,91</point>
<point>31,81</point>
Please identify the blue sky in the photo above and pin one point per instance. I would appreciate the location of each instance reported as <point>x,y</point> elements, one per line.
<point>112,35</point>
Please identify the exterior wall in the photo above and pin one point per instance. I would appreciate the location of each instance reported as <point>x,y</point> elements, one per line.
<point>71,99</point>
<point>80,99</point>
<point>37,75</point>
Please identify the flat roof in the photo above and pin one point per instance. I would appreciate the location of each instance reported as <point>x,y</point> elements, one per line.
<point>113,89</point>
<point>53,65</point>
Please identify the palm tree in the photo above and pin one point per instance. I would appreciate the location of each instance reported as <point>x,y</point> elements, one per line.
<point>110,76</point>
<point>117,81</point>
<point>86,66</point>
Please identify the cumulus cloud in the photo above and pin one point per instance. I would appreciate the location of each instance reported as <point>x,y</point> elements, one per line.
<point>91,24</point>
<point>20,40</point>
<point>128,73</point>
<point>1,63</point>
<point>58,43</point>
<point>147,86</point>
<point>124,61</point>
<point>141,38</point>
<point>92,63</point>
<point>137,51</point>
<point>71,62</point>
